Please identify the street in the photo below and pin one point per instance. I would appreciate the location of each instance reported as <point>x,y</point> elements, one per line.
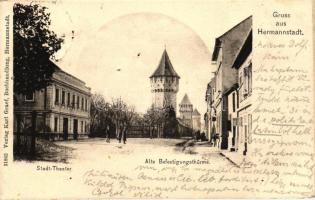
<point>190,168</point>
<point>98,150</point>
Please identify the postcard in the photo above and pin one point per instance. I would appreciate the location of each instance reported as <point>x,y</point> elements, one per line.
<point>157,99</point>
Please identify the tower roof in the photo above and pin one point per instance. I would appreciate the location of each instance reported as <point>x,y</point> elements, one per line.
<point>185,100</point>
<point>165,67</point>
<point>195,112</point>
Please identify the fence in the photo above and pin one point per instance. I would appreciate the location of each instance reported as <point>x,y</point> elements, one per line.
<point>142,132</point>
<point>25,143</point>
<point>179,131</point>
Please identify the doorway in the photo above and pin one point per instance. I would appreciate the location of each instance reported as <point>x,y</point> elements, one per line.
<point>65,128</point>
<point>75,129</point>
<point>245,140</point>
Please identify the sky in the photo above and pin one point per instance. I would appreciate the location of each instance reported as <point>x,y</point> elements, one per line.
<point>103,40</point>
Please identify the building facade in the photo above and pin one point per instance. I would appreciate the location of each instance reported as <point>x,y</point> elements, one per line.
<point>61,110</point>
<point>196,123</point>
<point>210,115</point>
<point>227,115</point>
<point>243,63</point>
<point>164,84</point>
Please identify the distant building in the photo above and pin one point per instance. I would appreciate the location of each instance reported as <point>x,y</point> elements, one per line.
<point>62,109</point>
<point>196,123</point>
<point>164,84</point>
<point>210,115</point>
<point>186,111</point>
<point>226,116</point>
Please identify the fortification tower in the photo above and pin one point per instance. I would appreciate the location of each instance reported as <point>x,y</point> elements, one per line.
<point>164,84</point>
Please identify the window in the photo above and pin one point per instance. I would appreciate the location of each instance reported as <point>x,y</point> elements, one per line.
<point>241,87</point>
<point>73,101</point>
<point>246,134</point>
<point>56,125</point>
<point>250,79</point>
<point>245,83</point>
<point>249,128</point>
<point>85,105</point>
<point>63,96</point>
<point>28,122</point>
<point>229,125</point>
<point>240,122</point>
<point>237,99</point>
<point>81,126</point>
<point>78,102</point>
<point>29,96</point>
<point>82,103</point>
<point>57,96</point>
<point>233,101</point>
<point>68,99</point>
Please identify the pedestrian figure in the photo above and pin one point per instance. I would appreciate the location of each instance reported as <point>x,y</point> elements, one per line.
<point>124,136</point>
<point>214,138</point>
<point>217,139</point>
<point>197,134</point>
<point>107,132</point>
<point>121,130</point>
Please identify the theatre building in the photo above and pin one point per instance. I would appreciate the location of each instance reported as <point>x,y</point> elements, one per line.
<point>61,110</point>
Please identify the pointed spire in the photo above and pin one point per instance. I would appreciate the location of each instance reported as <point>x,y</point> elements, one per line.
<point>196,113</point>
<point>185,100</point>
<point>165,67</point>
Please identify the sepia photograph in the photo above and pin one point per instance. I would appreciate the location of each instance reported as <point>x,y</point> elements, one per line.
<point>158,85</point>
<point>157,100</point>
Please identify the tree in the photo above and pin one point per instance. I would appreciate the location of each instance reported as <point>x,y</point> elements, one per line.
<point>170,122</point>
<point>117,114</point>
<point>101,114</point>
<point>123,115</point>
<point>34,44</point>
<point>154,118</point>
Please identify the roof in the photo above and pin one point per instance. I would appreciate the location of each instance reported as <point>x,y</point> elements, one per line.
<point>76,81</point>
<point>244,51</point>
<point>58,69</point>
<point>185,100</point>
<point>165,67</point>
<point>232,41</point>
<point>231,89</point>
<point>195,112</point>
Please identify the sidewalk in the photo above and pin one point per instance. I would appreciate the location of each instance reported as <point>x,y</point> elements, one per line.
<point>233,156</point>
